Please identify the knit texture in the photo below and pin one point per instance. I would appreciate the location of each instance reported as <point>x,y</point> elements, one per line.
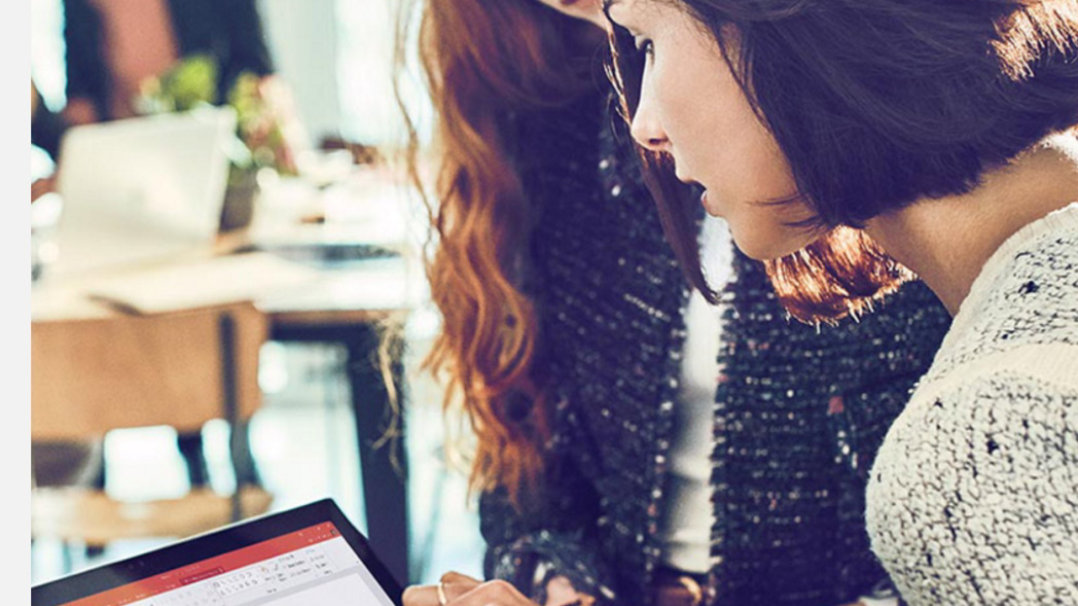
<point>974,495</point>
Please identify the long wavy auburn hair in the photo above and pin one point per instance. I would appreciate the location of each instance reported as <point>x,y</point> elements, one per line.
<point>486,63</point>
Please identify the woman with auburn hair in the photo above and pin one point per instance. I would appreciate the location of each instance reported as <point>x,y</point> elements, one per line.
<point>939,135</point>
<point>633,444</point>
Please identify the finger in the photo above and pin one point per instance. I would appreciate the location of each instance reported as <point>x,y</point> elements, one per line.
<point>420,595</point>
<point>497,592</point>
<point>455,577</point>
<point>455,584</point>
<point>560,591</point>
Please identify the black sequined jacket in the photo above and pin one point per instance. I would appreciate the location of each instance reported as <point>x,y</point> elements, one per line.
<point>799,412</point>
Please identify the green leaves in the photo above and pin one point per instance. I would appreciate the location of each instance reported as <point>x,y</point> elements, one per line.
<point>190,83</point>
<point>193,81</point>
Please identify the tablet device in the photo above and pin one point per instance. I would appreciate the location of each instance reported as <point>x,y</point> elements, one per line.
<point>308,555</point>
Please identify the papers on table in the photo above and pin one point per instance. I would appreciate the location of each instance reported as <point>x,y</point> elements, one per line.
<point>201,283</point>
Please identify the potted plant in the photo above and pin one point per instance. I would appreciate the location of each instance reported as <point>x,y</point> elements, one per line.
<point>261,114</point>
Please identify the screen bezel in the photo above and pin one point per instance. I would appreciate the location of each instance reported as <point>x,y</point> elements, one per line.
<point>229,538</point>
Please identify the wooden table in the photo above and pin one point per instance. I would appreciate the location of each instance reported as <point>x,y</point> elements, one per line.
<point>96,370</point>
<point>353,304</point>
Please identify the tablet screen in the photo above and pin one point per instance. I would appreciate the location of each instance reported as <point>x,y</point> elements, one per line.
<point>309,564</point>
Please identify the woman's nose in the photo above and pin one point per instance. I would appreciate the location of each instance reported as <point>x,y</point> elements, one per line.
<point>646,129</point>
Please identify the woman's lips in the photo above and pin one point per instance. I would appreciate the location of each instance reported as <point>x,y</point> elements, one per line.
<point>707,206</point>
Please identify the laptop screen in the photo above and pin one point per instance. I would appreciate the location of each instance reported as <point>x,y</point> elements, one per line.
<point>141,190</point>
<point>317,563</point>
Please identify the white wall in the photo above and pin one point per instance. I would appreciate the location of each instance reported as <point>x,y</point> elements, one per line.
<point>365,73</point>
<point>303,39</point>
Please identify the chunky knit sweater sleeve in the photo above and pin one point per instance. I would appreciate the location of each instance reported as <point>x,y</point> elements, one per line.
<point>973,498</point>
<point>980,504</point>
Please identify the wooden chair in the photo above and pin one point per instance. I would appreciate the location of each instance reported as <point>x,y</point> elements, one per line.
<point>91,376</point>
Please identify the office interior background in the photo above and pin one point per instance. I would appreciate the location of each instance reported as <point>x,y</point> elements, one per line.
<point>335,56</point>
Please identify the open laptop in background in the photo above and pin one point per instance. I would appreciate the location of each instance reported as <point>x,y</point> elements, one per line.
<point>141,189</point>
<point>308,555</point>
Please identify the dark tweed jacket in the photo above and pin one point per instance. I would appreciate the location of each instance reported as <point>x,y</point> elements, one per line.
<point>798,415</point>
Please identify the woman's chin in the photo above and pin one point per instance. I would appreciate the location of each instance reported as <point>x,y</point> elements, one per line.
<point>754,249</point>
<point>764,250</point>
<point>764,244</point>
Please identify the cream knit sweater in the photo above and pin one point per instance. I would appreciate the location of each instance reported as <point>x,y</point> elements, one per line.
<point>973,498</point>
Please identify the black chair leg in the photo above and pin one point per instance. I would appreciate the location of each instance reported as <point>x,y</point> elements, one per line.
<point>192,449</point>
<point>193,453</point>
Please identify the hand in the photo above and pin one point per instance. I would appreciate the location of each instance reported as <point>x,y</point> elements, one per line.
<point>462,590</point>
<point>560,592</point>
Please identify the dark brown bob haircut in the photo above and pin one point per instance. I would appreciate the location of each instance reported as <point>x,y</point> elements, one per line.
<point>875,104</point>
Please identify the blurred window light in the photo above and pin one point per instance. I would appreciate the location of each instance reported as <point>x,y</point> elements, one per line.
<point>342,77</point>
<point>366,69</point>
<point>47,51</point>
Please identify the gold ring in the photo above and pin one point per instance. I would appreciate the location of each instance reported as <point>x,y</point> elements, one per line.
<point>442,600</point>
<point>694,588</point>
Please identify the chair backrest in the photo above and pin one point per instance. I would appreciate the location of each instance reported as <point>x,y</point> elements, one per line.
<point>92,376</point>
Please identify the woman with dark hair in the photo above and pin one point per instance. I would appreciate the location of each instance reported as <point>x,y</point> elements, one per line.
<point>881,134</point>
<point>633,444</point>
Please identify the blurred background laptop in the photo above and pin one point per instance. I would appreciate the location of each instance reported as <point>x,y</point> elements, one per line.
<point>142,189</point>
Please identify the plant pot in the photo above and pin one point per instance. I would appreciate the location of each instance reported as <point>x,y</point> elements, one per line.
<point>239,206</point>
